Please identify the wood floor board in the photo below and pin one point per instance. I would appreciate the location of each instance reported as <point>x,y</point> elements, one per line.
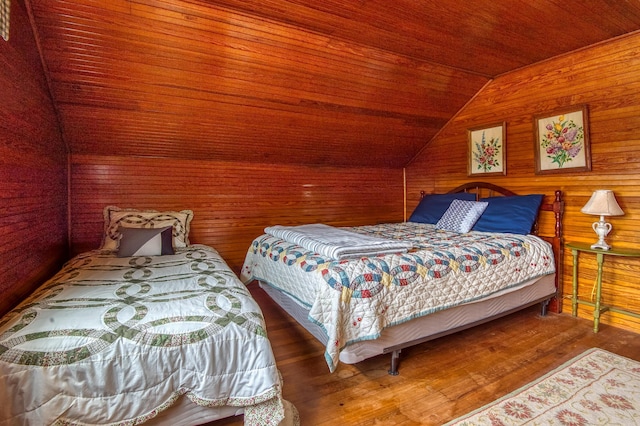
<point>439,380</point>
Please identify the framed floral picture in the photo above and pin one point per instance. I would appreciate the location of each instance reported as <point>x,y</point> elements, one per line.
<point>487,150</point>
<point>562,141</point>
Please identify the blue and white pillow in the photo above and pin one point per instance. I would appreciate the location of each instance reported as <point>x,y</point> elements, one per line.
<point>432,206</point>
<point>461,215</point>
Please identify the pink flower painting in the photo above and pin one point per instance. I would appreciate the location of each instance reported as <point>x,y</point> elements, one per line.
<point>487,150</point>
<point>487,153</point>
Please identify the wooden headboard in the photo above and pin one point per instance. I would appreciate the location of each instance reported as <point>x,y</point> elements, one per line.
<point>556,207</point>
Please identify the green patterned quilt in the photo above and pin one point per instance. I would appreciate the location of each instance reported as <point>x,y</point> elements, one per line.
<point>113,340</point>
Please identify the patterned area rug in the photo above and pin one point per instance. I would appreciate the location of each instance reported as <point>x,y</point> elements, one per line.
<point>291,416</point>
<point>595,388</point>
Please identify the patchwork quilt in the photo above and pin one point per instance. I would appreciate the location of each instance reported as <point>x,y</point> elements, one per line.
<point>354,300</point>
<point>113,340</point>
<point>336,243</point>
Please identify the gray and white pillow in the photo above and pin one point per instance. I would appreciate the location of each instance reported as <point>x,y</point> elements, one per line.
<point>145,241</point>
<point>461,215</point>
<point>116,218</point>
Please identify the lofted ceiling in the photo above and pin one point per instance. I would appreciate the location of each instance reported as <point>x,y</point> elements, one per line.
<point>319,82</point>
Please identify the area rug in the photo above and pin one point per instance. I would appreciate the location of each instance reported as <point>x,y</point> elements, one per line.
<point>594,388</point>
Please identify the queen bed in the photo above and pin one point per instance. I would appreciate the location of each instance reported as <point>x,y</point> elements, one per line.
<point>148,328</point>
<point>462,259</point>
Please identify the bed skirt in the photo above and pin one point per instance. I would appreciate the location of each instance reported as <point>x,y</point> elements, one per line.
<point>429,326</point>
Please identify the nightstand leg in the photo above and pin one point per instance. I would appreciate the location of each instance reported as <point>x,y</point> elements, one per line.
<point>596,311</point>
<point>574,297</point>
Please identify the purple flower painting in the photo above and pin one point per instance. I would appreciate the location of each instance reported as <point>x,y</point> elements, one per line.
<point>563,140</point>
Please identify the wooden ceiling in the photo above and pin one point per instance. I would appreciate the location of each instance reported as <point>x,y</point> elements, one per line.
<point>319,82</point>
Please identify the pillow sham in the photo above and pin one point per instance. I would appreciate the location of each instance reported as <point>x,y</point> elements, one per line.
<point>145,241</point>
<point>514,215</point>
<point>461,215</point>
<point>432,206</point>
<point>115,217</point>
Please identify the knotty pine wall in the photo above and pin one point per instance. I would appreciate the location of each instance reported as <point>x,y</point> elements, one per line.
<point>607,79</point>
<point>232,201</point>
<point>33,169</point>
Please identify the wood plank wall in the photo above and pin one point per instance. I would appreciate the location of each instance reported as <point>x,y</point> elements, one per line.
<point>232,202</point>
<point>33,169</point>
<point>606,78</point>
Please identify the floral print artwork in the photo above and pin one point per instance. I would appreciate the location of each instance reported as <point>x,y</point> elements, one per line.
<point>487,155</point>
<point>563,140</point>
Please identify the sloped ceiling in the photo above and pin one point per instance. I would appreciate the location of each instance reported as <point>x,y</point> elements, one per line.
<point>324,82</point>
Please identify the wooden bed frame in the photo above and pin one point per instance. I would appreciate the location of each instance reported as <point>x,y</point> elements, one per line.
<point>548,299</point>
<point>556,207</point>
<point>485,189</point>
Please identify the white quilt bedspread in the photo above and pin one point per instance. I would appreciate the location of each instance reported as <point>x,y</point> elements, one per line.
<point>116,340</point>
<point>354,300</point>
<point>337,243</point>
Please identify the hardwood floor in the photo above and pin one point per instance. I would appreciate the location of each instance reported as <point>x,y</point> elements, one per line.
<point>439,380</point>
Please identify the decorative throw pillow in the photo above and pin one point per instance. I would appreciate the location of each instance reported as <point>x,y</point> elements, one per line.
<point>433,206</point>
<point>145,242</point>
<point>115,218</point>
<point>461,215</point>
<point>513,215</point>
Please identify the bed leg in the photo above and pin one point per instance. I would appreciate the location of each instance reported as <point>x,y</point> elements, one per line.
<point>544,307</point>
<point>395,358</point>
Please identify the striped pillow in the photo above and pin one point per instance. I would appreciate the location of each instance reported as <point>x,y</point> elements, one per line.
<point>145,242</point>
<point>461,215</point>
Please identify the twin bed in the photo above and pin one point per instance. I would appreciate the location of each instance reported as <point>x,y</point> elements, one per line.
<point>150,328</point>
<point>139,332</point>
<point>446,280</point>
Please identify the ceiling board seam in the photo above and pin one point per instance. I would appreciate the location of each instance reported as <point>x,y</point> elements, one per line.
<point>581,49</point>
<point>447,123</point>
<point>46,72</point>
<point>298,26</point>
<point>61,132</point>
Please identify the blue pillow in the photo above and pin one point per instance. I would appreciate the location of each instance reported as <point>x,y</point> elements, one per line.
<point>433,206</point>
<point>513,215</point>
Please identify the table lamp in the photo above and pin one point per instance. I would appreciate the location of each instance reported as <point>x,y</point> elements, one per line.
<point>602,203</point>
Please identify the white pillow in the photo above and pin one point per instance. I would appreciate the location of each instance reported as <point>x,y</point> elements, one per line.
<point>115,218</point>
<point>461,215</point>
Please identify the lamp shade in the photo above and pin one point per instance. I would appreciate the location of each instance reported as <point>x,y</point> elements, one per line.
<point>602,203</point>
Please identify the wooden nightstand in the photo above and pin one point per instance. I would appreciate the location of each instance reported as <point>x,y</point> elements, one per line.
<point>598,308</point>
